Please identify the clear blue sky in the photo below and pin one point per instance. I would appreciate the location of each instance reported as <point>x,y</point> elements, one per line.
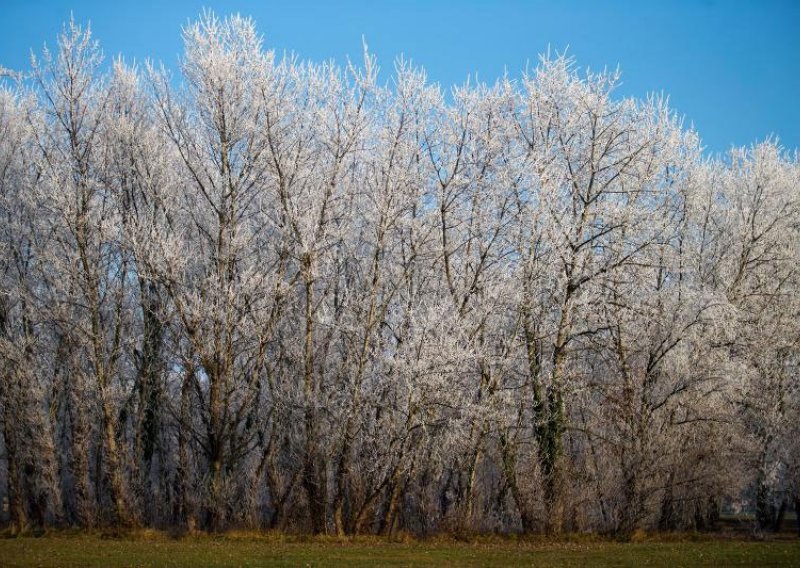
<point>732,67</point>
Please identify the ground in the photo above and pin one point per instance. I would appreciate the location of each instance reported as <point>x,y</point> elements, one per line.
<point>150,549</point>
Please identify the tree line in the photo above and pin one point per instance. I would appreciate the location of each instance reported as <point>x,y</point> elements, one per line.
<point>277,294</point>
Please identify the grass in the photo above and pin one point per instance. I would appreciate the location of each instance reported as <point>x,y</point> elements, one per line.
<point>65,549</point>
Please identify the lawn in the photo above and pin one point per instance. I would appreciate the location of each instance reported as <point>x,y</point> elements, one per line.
<point>70,550</point>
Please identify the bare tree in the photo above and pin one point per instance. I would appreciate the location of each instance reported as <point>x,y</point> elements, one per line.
<point>265,292</point>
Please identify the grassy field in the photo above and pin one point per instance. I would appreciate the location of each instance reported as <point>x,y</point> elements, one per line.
<point>70,550</point>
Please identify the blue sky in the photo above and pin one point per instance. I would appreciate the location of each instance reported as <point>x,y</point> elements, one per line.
<point>732,67</point>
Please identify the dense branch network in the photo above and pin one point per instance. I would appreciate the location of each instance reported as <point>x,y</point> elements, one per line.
<point>270,293</point>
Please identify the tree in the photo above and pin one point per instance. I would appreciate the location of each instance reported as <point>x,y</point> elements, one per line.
<point>266,292</point>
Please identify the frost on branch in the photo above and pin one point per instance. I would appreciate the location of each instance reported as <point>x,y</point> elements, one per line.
<point>271,293</point>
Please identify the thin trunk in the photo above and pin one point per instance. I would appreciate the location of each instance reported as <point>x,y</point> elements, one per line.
<point>312,470</point>
<point>16,502</point>
<point>80,441</point>
<point>509,461</point>
<point>185,485</point>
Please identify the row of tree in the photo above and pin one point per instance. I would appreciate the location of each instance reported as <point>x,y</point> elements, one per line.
<point>269,293</point>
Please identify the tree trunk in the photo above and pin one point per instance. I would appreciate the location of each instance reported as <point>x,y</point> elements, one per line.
<point>114,466</point>
<point>79,466</point>
<point>185,486</point>
<point>16,502</point>
<point>313,471</point>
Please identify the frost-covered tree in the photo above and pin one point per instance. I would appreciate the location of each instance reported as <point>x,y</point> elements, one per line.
<point>265,292</point>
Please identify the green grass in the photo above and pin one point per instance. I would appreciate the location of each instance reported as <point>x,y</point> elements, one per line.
<point>70,550</point>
